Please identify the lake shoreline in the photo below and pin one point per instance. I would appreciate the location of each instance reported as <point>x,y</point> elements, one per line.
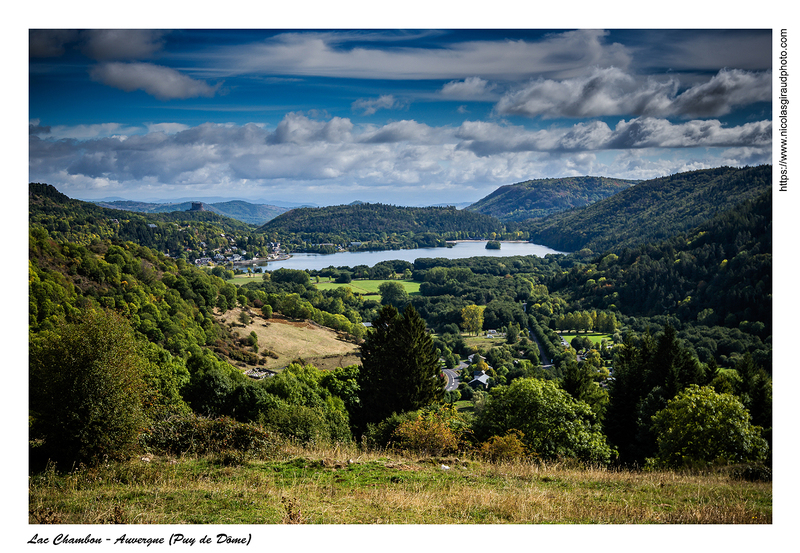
<point>462,249</point>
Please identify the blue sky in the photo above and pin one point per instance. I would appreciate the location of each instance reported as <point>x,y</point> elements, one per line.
<point>409,117</point>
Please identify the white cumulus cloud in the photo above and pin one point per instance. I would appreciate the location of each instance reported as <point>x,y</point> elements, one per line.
<point>369,106</point>
<point>334,154</point>
<point>471,88</point>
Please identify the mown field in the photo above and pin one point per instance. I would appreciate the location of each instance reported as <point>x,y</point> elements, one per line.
<point>368,287</point>
<point>482,341</point>
<point>595,337</point>
<point>343,485</point>
<point>238,280</point>
<point>289,340</point>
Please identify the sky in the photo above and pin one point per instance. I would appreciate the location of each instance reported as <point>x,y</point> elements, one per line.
<point>407,117</point>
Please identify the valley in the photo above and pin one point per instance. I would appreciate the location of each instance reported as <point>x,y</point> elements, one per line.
<point>664,300</point>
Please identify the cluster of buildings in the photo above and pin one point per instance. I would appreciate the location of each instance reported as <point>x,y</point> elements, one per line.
<point>235,255</point>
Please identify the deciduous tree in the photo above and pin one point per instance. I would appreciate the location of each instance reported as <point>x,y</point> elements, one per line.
<point>553,423</point>
<point>86,386</point>
<point>700,426</point>
<point>393,293</point>
<point>472,318</point>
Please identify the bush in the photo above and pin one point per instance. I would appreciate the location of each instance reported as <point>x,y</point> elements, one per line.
<point>301,423</point>
<point>752,472</point>
<point>431,433</point>
<point>504,448</point>
<point>380,434</point>
<point>194,435</point>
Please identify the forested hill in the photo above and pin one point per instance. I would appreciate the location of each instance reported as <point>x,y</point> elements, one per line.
<point>367,218</point>
<point>719,273</point>
<point>252,214</point>
<point>651,211</point>
<point>542,197</point>
<point>71,220</point>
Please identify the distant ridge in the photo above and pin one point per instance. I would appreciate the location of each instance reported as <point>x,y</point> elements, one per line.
<point>543,197</point>
<point>252,214</point>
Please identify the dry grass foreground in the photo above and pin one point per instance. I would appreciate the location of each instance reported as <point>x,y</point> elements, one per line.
<point>345,486</point>
<point>289,340</point>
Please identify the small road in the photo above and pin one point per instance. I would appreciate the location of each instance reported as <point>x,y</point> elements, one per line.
<point>544,361</point>
<point>452,379</point>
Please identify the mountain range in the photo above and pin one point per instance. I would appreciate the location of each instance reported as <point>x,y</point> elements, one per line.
<point>253,214</point>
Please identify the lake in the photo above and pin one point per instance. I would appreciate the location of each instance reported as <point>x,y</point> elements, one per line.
<point>316,261</point>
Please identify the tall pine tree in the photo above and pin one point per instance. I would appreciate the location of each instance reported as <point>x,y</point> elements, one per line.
<point>400,368</point>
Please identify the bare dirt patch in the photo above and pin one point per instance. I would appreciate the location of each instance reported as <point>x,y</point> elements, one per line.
<point>289,340</point>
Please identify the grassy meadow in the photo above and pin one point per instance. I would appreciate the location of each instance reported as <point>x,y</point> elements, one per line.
<point>344,485</point>
<point>238,280</point>
<point>287,340</point>
<point>595,337</point>
<point>368,287</point>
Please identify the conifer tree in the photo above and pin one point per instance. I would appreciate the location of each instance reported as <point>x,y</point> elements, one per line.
<point>400,368</point>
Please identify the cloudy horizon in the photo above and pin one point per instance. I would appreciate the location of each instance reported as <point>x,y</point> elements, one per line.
<point>406,117</point>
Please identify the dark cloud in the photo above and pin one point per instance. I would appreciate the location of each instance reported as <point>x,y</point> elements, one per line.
<point>46,43</point>
<point>122,44</point>
<point>162,82</point>
<point>97,44</point>
<point>728,89</point>
<point>35,128</point>
<point>611,91</point>
<point>487,139</point>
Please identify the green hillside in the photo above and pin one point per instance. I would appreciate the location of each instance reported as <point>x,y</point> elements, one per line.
<point>376,218</point>
<point>177,358</point>
<point>379,226</point>
<point>543,197</point>
<point>651,211</point>
<point>185,233</point>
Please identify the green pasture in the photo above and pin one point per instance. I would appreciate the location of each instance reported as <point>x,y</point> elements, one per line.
<point>595,337</point>
<point>368,287</point>
<point>482,342</point>
<point>238,280</point>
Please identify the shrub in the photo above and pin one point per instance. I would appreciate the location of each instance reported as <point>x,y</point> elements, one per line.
<point>554,424</point>
<point>432,432</point>
<point>380,434</point>
<point>301,423</point>
<point>504,448</point>
<point>192,434</point>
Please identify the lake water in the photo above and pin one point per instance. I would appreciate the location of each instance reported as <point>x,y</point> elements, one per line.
<point>316,261</point>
